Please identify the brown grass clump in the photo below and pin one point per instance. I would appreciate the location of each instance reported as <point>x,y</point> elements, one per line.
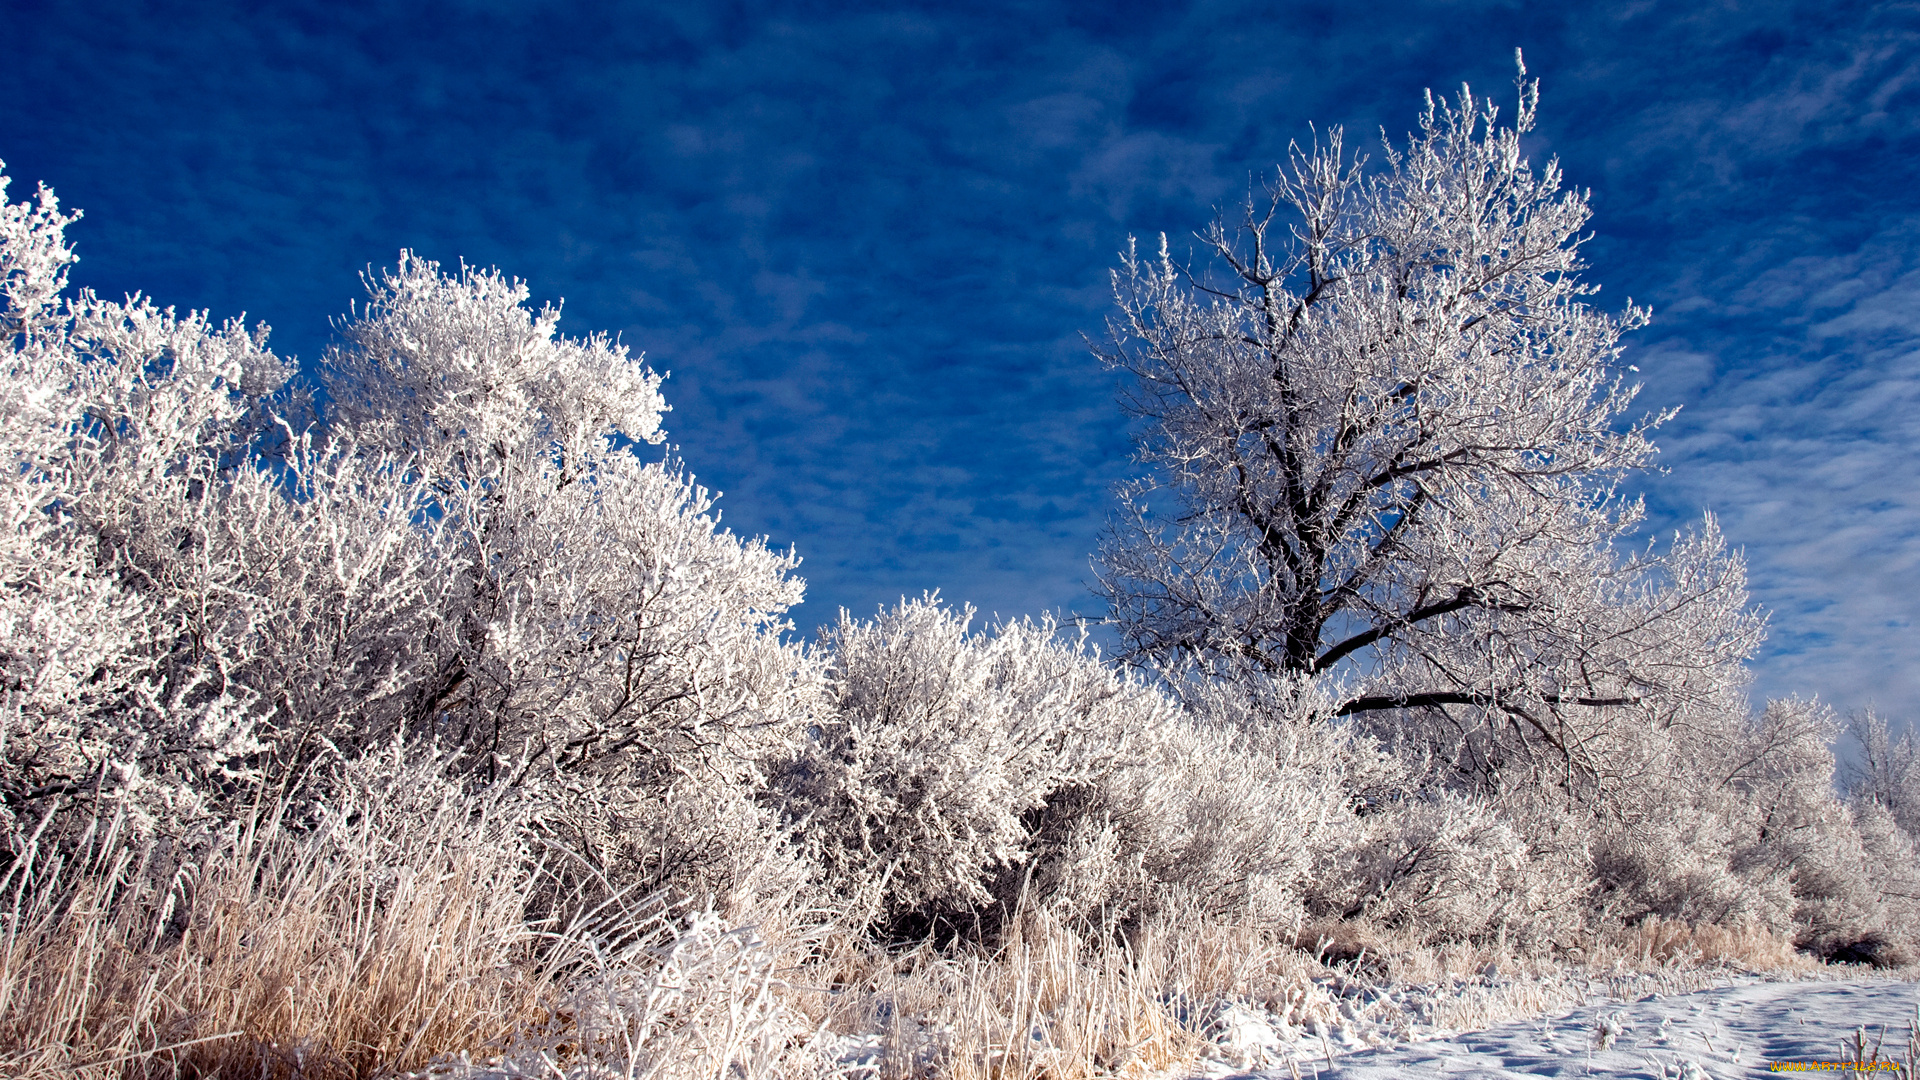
<point>1669,943</point>
<point>1053,1001</point>
<point>385,931</point>
<point>395,931</point>
<point>390,933</point>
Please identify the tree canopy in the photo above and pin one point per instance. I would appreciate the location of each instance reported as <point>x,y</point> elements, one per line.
<point>1386,434</point>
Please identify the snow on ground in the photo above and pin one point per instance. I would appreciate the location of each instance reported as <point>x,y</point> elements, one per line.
<point>1734,1030</point>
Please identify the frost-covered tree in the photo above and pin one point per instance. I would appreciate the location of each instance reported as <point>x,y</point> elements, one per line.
<point>593,605</point>
<point>202,592</point>
<point>1887,771</point>
<point>122,629</point>
<point>1386,435</point>
<point>592,623</point>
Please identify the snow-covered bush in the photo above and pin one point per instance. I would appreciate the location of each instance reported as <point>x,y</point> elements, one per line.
<point>1441,867</point>
<point>919,789</point>
<point>1775,793</point>
<point>1885,804</point>
<point>1215,820</point>
<point>1378,832</point>
<point>1674,863</point>
<point>1219,809</point>
<point>593,624</point>
<point>1735,821</point>
<point>201,593</point>
<point>597,607</point>
<point>1885,865</point>
<point>964,775</point>
<point>1853,877</point>
<point>1888,770</point>
<point>124,426</point>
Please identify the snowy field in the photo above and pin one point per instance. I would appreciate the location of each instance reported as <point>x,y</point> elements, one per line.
<point>1735,1030</point>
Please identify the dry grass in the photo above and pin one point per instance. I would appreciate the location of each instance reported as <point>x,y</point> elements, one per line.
<point>1666,944</point>
<point>390,936</point>
<point>1051,1003</point>
<point>1046,1005</point>
<point>386,935</point>
<point>360,944</point>
<point>1483,983</point>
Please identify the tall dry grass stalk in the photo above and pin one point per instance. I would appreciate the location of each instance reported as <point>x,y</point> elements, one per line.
<point>390,934</point>
<point>1052,1001</point>
<point>1051,1005</point>
<point>374,936</point>
<point>1667,943</point>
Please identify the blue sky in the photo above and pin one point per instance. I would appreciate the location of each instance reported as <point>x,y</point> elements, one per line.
<point>866,240</point>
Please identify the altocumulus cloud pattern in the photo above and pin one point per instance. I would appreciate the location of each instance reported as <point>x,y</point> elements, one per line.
<point>867,241</point>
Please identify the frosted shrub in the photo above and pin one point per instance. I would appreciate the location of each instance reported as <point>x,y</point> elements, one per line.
<point>1779,800</point>
<point>1194,818</point>
<point>1732,820</point>
<point>595,591</point>
<point>1334,823</point>
<point>346,568</point>
<point>1852,877</point>
<point>1442,866</point>
<point>965,775</point>
<point>592,625</point>
<point>663,1000</point>
<point>912,796</point>
<point>459,373</point>
<point>124,425</point>
<point>1213,811</point>
<point>1887,932</point>
<point>201,594</point>
<point>1888,772</point>
<point>1885,802</point>
<point>1674,864</point>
